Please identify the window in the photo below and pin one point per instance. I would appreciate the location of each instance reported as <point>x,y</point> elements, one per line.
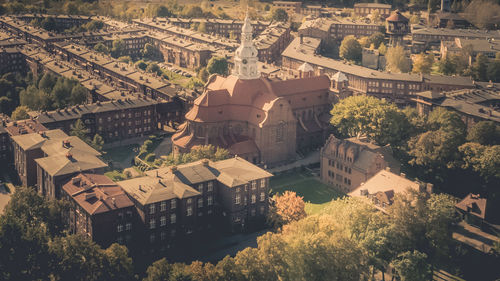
<point>262,183</point>
<point>163,235</point>
<point>210,201</point>
<point>189,211</point>
<point>128,226</point>
<point>200,188</point>
<point>152,208</point>
<point>280,132</point>
<point>254,198</point>
<point>254,185</point>
<point>163,206</point>
<point>210,186</point>
<point>173,218</point>
<point>252,212</point>
<point>163,221</point>
<point>120,228</point>
<point>238,199</point>
<point>152,238</point>
<point>173,204</point>
<point>189,201</point>
<point>262,196</point>
<point>200,202</point>
<point>262,209</point>
<point>152,223</point>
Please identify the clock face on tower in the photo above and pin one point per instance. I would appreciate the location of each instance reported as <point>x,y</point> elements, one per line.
<point>244,61</point>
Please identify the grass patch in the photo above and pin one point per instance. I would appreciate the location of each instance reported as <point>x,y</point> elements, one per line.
<point>316,194</point>
<point>119,154</point>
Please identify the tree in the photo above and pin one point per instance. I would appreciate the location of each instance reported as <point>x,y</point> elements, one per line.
<point>203,74</point>
<point>482,159</point>
<point>217,65</point>
<point>150,52</point>
<point>79,130</point>
<point>483,14</point>
<point>100,47</point>
<point>494,71</point>
<point>364,41</point>
<point>446,66</point>
<point>422,63</point>
<point>286,208</point>
<point>158,271</point>
<point>485,133</point>
<point>280,15</point>
<point>141,65</point>
<point>118,48</point>
<point>382,49</point>
<point>480,67</point>
<point>377,119</point>
<point>397,60</point>
<point>202,27</point>
<point>97,142</point>
<point>377,39</point>
<point>350,49</point>
<point>20,113</point>
<point>78,94</point>
<point>412,266</point>
<point>153,68</point>
<point>163,11</point>
<point>192,11</point>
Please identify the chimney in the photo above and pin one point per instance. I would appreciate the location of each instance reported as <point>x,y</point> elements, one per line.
<point>114,201</point>
<point>205,162</point>
<point>388,169</point>
<point>403,175</point>
<point>173,169</point>
<point>301,39</point>
<point>76,181</point>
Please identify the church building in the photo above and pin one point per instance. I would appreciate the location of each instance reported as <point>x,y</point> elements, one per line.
<point>264,120</point>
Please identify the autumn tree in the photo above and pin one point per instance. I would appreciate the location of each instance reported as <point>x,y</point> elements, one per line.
<point>397,60</point>
<point>286,208</point>
<point>422,63</point>
<point>350,49</point>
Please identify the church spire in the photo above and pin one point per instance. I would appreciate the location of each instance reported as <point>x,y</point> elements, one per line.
<point>245,59</point>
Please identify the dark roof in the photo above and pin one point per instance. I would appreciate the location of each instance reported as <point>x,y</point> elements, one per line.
<point>473,204</point>
<point>397,17</point>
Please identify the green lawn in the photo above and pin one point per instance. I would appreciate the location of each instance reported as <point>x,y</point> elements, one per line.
<point>119,154</point>
<point>315,193</point>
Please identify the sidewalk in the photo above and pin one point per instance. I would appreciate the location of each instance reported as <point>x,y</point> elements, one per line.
<point>311,158</point>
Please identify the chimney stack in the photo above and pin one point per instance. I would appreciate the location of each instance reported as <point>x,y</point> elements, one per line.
<point>301,39</point>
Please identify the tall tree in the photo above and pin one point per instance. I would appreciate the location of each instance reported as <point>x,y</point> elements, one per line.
<point>481,67</point>
<point>280,15</point>
<point>350,49</point>
<point>20,113</point>
<point>217,65</point>
<point>423,63</point>
<point>412,266</point>
<point>485,133</point>
<point>79,130</point>
<point>397,60</point>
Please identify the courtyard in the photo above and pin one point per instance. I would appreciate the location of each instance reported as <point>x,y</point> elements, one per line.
<point>316,194</point>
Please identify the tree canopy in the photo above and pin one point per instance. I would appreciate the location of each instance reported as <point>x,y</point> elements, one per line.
<point>350,49</point>
<point>217,65</point>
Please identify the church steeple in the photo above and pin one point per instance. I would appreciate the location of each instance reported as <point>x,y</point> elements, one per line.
<point>245,59</point>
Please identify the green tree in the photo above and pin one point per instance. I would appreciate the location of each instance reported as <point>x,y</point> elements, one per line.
<point>485,133</point>
<point>397,60</point>
<point>422,63</point>
<point>153,68</point>
<point>217,65</point>
<point>158,271</point>
<point>412,266</point>
<point>376,39</point>
<point>280,15</point>
<point>78,94</point>
<point>100,47</point>
<point>79,130</point>
<point>20,113</point>
<point>150,52</point>
<point>163,11</point>
<point>377,119</point>
<point>97,142</point>
<point>192,11</point>
<point>141,65</point>
<point>482,159</point>
<point>350,49</point>
<point>446,66</point>
<point>382,49</point>
<point>480,67</point>
<point>118,49</point>
<point>494,70</point>
<point>203,74</point>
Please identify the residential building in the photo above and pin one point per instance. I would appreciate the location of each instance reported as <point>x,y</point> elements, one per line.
<point>222,27</point>
<point>478,210</point>
<point>260,119</point>
<point>99,209</point>
<point>345,164</point>
<point>459,46</point>
<point>182,202</point>
<point>366,9</point>
<point>291,7</point>
<point>397,87</point>
<point>434,36</point>
<point>384,185</point>
<point>113,120</point>
<point>271,42</point>
<point>335,29</point>
<point>473,105</point>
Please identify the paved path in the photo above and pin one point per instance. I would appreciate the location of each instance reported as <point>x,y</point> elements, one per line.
<point>309,159</point>
<point>164,148</point>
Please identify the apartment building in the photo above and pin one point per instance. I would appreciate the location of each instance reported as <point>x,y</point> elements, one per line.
<point>99,209</point>
<point>366,9</point>
<point>222,27</point>
<point>182,202</point>
<point>329,29</point>
<point>271,42</point>
<point>345,164</point>
<point>293,7</point>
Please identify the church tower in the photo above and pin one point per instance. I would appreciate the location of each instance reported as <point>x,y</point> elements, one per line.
<point>245,59</point>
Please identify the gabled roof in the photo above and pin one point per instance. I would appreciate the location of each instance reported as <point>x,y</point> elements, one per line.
<point>385,181</point>
<point>473,204</point>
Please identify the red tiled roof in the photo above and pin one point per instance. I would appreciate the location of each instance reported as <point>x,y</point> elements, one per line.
<point>473,204</point>
<point>397,16</point>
